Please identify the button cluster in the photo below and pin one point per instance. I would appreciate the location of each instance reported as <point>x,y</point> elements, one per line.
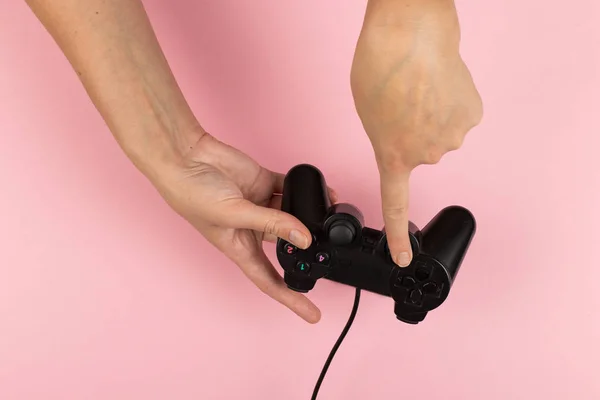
<point>304,267</point>
<point>418,285</point>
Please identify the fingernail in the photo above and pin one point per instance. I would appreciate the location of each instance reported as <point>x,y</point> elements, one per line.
<point>299,239</point>
<point>403,259</point>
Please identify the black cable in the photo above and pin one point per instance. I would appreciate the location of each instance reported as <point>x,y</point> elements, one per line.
<point>337,344</point>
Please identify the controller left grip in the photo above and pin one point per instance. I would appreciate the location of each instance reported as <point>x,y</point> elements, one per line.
<point>305,195</point>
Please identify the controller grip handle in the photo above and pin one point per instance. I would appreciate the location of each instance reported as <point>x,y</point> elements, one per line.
<point>447,237</point>
<point>297,283</point>
<point>305,195</point>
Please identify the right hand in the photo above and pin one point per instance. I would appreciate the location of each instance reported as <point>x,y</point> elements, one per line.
<point>235,204</point>
<point>415,97</point>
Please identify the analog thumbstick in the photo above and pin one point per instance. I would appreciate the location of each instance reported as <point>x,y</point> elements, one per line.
<point>342,233</point>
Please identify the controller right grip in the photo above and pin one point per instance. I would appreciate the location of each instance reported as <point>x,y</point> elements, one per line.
<point>447,237</point>
<point>305,195</point>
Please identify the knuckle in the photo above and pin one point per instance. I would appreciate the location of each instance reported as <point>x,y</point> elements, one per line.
<point>476,112</point>
<point>455,142</point>
<point>271,227</point>
<point>391,158</point>
<point>476,118</point>
<point>392,162</point>
<point>433,155</point>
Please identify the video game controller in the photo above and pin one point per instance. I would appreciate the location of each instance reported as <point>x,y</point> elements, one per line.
<point>345,251</point>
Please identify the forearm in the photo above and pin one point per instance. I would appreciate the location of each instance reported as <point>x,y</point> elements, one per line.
<point>414,16</point>
<point>112,47</point>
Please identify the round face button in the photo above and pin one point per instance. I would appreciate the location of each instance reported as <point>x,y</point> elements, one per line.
<point>430,288</point>
<point>422,273</point>
<point>415,296</point>
<point>322,257</point>
<point>408,282</point>
<point>405,281</point>
<point>289,249</point>
<point>303,267</point>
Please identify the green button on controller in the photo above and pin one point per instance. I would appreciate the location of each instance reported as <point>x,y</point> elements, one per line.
<point>303,267</point>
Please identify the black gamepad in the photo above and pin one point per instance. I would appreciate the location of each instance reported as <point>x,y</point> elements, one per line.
<point>346,251</point>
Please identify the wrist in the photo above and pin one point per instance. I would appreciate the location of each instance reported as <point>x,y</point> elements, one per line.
<point>157,147</point>
<point>413,15</point>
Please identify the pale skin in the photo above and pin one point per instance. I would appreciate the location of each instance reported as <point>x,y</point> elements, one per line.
<point>413,93</point>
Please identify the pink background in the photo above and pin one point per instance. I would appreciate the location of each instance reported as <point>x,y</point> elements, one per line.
<point>106,294</point>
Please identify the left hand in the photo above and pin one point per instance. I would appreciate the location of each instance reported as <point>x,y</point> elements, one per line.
<point>235,203</point>
<point>415,97</point>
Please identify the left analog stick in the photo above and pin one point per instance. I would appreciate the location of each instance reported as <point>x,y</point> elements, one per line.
<point>342,233</point>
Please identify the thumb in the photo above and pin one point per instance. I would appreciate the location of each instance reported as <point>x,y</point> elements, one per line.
<point>394,196</point>
<point>243,214</point>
